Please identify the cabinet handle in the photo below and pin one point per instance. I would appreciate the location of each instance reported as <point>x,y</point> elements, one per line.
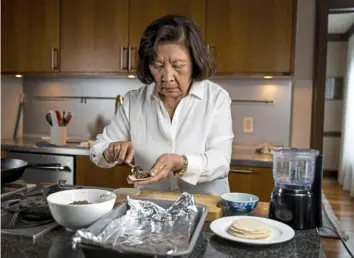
<point>54,59</point>
<point>122,49</point>
<point>130,68</point>
<point>241,171</point>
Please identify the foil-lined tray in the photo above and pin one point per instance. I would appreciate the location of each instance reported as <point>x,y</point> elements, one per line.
<point>147,227</point>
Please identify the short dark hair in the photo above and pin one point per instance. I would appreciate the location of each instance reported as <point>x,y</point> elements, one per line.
<point>174,29</point>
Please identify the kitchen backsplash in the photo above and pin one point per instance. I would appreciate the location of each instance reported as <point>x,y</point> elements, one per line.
<point>11,90</point>
<point>271,121</point>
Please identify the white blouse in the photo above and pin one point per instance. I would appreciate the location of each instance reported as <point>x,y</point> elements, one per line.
<point>201,129</point>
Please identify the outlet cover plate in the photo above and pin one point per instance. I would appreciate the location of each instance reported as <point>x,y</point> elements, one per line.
<point>248,125</point>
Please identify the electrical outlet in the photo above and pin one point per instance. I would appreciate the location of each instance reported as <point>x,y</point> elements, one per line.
<point>248,125</point>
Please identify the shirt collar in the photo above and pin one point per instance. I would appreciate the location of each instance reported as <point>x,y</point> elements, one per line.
<point>197,89</point>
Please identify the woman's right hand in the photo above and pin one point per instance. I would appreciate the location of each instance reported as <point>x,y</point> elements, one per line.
<point>119,151</point>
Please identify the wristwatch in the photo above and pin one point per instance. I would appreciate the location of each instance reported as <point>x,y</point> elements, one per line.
<point>184,167</point>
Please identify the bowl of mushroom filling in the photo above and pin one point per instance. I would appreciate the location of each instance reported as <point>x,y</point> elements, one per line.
<point>79,208</point>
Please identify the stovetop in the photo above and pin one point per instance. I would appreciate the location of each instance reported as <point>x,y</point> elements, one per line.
<point>24,209</point>
<point>11,188</point>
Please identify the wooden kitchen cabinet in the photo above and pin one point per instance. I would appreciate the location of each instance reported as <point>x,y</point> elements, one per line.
<point>105,37</point>
<point>87,173</point>
<point>254,180</point>
<point>251,36</point>
<point>102,36</point>
<point>143,12</point>
<point>94,35</point>
<point>29,36</point>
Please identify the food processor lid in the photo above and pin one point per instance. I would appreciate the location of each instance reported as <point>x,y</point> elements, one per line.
<point>289,151</point>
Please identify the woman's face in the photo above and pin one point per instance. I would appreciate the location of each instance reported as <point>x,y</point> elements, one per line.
<point>172,70</point>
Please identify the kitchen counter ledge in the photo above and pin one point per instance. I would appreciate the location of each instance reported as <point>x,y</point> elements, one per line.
<point>240,156</point>
<point>57,243</point>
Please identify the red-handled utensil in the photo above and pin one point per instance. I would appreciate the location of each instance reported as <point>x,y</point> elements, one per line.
<point>60,119</point>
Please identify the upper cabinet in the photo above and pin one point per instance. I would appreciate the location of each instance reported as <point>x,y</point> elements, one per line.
<point>251,36</point>
<point>29,36</point>
<point>94,35</point>
<point>102,36</point>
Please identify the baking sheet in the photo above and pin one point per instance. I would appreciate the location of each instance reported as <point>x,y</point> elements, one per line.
<point>165,229</point>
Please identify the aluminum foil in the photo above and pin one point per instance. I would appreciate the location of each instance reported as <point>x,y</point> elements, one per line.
<point>146,227</point>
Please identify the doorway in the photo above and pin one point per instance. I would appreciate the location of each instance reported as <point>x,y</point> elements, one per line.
<point>334,29</point>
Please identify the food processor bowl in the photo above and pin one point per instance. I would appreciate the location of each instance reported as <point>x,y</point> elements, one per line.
<point>294,167</point>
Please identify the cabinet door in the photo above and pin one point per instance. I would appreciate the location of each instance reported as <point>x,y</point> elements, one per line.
<point>87,173</point>
<point>143,12</point>
<point>254,180</point>
<point>251,36</point>
<point>29,35</point>
<point>94,35</point>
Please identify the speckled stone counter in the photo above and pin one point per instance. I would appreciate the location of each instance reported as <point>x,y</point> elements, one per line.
<point>37,145</point>
<point>241,156</point>
<point>57,244</point>
<point>246,156</point>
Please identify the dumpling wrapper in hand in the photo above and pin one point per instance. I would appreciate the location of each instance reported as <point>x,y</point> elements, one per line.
<point>141,176</point>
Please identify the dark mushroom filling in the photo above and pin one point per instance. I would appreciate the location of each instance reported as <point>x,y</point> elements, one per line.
<point>79,202</point>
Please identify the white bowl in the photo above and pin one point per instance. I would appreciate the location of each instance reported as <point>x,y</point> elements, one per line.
<point>74,217</point>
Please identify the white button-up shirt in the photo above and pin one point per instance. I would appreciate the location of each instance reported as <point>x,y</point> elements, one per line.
<point>201,129</point>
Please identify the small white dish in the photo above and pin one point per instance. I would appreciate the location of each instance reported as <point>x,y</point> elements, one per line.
<point>280,231</point>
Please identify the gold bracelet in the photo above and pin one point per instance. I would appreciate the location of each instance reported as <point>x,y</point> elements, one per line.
<point>184,167</point>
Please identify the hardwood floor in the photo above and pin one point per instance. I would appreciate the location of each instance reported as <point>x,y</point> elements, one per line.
<point>343,207</point>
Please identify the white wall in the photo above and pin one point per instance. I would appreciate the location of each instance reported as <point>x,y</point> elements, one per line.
<point>302,80</point>
<point>337,52</point>
<point>336,66</point>
<point>11,89</point>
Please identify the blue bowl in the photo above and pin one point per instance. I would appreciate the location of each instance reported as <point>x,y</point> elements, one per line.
<point>240,202</point>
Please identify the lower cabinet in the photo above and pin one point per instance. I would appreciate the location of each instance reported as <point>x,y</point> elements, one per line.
<point>87,173</point>
<point>254,180</point>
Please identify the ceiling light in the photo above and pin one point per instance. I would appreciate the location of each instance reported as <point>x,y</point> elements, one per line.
<point>131,76</point>
<point>18,76</point>
<point>268,77</point>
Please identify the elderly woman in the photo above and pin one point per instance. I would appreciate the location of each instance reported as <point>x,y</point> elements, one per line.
<point>179,125</point>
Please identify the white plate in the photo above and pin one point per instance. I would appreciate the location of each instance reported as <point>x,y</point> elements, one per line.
<point>280,231</point>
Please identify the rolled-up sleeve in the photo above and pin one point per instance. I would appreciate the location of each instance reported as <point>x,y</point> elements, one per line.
<point>117,130</point>
<point>214,163</point>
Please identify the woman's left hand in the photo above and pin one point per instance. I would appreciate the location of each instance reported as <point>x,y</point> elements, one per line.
<point>163,165</point>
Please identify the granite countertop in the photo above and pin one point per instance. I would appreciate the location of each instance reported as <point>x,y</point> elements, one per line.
<point>241,155</point>
<point>38,145</point>
<point>246,156</point>
<point>57,244</point>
